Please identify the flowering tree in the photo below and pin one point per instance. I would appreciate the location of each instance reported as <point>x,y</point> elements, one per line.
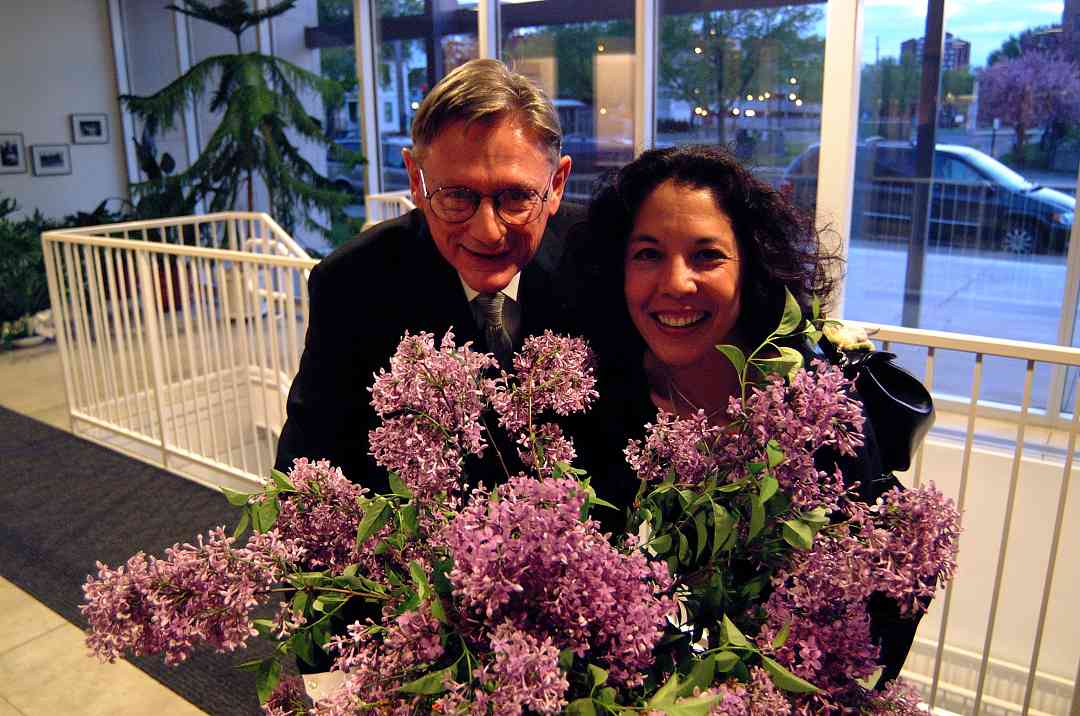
<point>1035,89</point>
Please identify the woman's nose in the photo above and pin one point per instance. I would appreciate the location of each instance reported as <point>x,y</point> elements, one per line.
<point>678,278</point>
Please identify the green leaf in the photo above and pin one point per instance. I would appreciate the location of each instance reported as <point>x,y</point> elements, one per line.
<point>702,528</point>
<point>786,680</point>
<point>265,514</point>
<point>252,665</point>
<point>420,580</point>
<point>665,695</point>
<point>398,486</point>
<point>351,570</point>
<point>870,682</point>
<point>774,453</point>
<point>794,357</point>
<point>566,659</point>
<point>264,626</point>
<point>792,315</point>
<point>300,601</point>
<point>815,307</point>
<point>661,545</point>
<point>781,638</point>
<point>236,499</point>
<point>437,609</point>
<point>722,527</point>
<point>266,680</point>
<point>816,517</point>
<point>606,696</point>
<point>428,684</point>
<point>757,519</point>
<point>375,516</point>
<point>600,502</point>
<point>407,519</point>
<point>769,486</point>
<point>798,534</point>
<point>301,646</point>
<point>242,525</point>
<point>726,661</point>
<point>701,675</point>
<point>599,676</point>
<point>735,355</point>
<point>282,481</point>
<point>693,706</point>
<point>684,547</point>
<point>581,707</point>
<point>731,633</point>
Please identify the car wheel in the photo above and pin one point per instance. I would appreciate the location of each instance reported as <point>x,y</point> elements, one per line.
<point>1018,238</point>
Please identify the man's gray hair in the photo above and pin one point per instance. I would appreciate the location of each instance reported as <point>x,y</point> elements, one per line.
<point>485,90</point>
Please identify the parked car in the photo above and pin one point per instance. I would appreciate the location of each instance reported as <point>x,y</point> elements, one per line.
<point>976,202</point>
<point>351,180</point>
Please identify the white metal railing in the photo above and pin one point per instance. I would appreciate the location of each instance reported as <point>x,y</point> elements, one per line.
<point>1010,549</point>
<point>179,338</point>
<point>388,205</point>
<point>182,355</point>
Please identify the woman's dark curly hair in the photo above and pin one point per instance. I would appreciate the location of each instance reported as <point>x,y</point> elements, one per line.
<point>779,244</point>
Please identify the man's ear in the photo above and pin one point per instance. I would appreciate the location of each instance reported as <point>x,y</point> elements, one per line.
<point>558,184</point>
<point>414,175</point>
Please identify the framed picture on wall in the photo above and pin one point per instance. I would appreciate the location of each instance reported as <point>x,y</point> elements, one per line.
<point>90,129</point>
<point>50,159</point>
<point>12,153</point>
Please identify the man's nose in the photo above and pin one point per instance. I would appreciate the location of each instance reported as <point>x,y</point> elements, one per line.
<point>678,278</point>
<point>485,225</point>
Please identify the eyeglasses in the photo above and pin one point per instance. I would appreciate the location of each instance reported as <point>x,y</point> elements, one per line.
<point>458,204</point>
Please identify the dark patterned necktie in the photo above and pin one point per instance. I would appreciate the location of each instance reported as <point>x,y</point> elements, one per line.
<point>495,333</point>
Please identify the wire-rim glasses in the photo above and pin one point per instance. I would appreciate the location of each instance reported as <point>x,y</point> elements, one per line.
<point>514,205</point>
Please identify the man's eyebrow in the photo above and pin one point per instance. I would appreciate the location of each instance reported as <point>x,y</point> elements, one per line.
<point>645,238</point>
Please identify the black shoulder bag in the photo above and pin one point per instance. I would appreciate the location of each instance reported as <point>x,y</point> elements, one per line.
<point>896,402</point>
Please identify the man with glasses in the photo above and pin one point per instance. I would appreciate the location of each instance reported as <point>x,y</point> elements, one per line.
<point>480,254</point>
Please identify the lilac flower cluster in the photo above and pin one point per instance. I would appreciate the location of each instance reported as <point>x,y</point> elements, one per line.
<point>379,660</point>
<point>431,401</point>
<point>289,698</point>
<point>199,593</point>
<point>902,547</point>
<point>524,556</point>
<point>322,515</point>
<point>522,677</point>
<point>821,598</point>
<point>917,539</point>
<point>758,697</point>
<point>817,410</point>
<point>551,372</point>
<point>552,444</point>
<point>682,445</point>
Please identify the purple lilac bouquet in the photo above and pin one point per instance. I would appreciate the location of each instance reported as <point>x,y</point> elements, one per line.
<point>741,587</point>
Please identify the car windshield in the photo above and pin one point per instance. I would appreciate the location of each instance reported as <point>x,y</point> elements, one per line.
<point>998,172</point>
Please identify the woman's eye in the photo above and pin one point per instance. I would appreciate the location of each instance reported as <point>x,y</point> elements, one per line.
<point>645,254</point>
<point>711,256</point>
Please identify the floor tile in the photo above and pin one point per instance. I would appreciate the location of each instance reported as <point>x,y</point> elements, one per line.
<point>53,675</point>
<point>22,617</point>
<point>7,709</point>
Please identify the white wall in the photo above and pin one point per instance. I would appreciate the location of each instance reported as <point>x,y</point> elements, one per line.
<point>57,60</point>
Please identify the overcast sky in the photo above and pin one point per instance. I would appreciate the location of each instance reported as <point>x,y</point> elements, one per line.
<point>983,23</point>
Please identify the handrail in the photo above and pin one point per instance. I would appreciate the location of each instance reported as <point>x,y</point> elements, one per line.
<point>1003,347</point>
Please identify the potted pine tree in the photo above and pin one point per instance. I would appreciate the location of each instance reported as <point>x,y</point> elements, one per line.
<point>257,96</point>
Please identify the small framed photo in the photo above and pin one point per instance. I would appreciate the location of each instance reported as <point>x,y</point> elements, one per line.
<point>12,153</point>
<point>90,128</point>
<point>50,159</point>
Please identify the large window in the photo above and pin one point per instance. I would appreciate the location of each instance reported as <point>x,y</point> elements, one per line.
<point>744,75</point>
<point>418,42</point>
<point>584,60</point>
<point>962,224</point>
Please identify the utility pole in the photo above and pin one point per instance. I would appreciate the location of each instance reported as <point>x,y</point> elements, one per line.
<point>925,143</point>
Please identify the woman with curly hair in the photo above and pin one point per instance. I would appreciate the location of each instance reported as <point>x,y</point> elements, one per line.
<point>689,250</point>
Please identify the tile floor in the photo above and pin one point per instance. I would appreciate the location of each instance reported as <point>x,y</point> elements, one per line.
<point>45,669</point>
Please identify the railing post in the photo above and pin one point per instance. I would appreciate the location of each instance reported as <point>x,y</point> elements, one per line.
<point>150,309</point>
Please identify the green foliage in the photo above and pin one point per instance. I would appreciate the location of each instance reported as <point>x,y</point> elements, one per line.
<point>258,98</point>
<point>24,289</point>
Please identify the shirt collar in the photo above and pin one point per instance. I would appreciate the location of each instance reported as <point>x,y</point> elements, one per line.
<point>510,291</point>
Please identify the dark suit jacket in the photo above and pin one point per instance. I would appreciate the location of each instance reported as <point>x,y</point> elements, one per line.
<point>363,297</point>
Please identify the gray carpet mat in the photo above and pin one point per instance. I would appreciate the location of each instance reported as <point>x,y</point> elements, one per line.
<point>69,502</point>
